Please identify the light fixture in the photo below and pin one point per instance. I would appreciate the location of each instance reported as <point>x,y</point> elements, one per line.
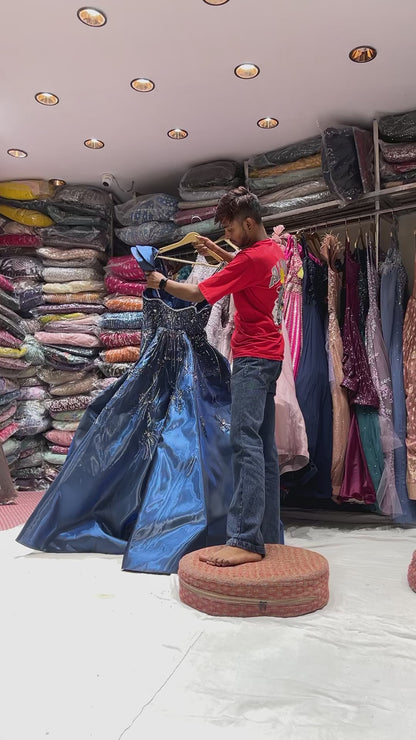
<point>45,98</point>
<point>177,133</point>
<point>215,2</point>
<point>247,71</point>
<point>142,84</point>
<point>93,143</point>
<point>362,54</point>
<point>267,122</point>
<point>57,183</point>
<point>19,153</point>
<point>92,17</point>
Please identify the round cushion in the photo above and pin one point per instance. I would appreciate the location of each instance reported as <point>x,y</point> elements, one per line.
<point>411,573</point>
<point>288,582</point>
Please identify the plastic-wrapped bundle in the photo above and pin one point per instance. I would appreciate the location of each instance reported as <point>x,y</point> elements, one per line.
<point>290,153</point>
<point>121,339</point>
<point>114,369</point>
<point>66,218</point>
<point>78,236</point>
<point>121,354</point>
<point>84,199</point>
<point>295,191</point>
<point>194,215</point>
<point>287,179</point>
<point>152,232</point>
<point>204,227</point>
<point>58,254</point>
<point>210,180</point>
<point>29,241</point>
<point>29,294</point>
<point>34,351</point>
<point>70,274</point>
<point>64,308</point>
<point>26,189</point>
<point>121,303</point>
<point>116,285</point>
<point>77,339</point>
<point>280,206</point>
<point>340,163</point>
<point>8,340</point>
<point>122,321</point>
<point>70,403</point>
<point>33,393</point>
<point>398,153</point>
<point>398,127</point>
<point>8,431</point>
<point>305,163</point>
<point>152,207</point>
<point>21,266</point>
<point>82,326</point>
<point>32,418</point>
<point>25,216</point>
<point>59,437</point>
<point>74,286</point>
<point>74,387</point>
<point>125,268</point>
<point>62,360</point>
<point>8,300</point>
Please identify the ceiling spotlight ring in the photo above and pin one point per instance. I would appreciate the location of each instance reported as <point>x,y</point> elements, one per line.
<point>177,133</point>
<point>362,54</point>
<point>93,143</point>
<point>46,98</point>
<point>142,84</point>
<point>267,123</point>
<point>18,153</point>
<point>247,71</point>
<point>92,17</point>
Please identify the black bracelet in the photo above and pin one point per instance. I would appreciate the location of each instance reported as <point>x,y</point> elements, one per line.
<point>162,283</point>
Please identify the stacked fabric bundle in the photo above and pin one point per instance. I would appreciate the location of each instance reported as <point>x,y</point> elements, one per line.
<point>72,255</point>
<point>159,219</point>
<point>290,177</point>
<point>397,149</point>
<point>120,328</point>
<point>200,189</point>
<point>23,415</point>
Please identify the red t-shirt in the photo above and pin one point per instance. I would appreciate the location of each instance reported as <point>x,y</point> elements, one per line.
<point>255,278</point>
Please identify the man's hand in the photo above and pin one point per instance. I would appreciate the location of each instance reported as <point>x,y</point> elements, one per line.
<point>204,246</point>
<point>153,279</point>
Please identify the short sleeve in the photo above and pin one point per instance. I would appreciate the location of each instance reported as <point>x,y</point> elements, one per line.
<point>235,276</point>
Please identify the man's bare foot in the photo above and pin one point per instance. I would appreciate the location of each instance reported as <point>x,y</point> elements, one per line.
<point>229,555</point>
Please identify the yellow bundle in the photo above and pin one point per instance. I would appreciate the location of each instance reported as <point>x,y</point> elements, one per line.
<point>26,189</point>
<point>12,352</point>
<point>24,216</point>
<point>60,317</point>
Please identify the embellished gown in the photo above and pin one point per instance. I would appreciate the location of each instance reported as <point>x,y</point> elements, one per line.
<point>148,473</point>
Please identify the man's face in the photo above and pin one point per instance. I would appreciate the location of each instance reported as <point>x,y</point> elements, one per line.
<point>237,232</point>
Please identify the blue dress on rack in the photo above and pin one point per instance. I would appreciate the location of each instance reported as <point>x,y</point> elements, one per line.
<point>148,474</point>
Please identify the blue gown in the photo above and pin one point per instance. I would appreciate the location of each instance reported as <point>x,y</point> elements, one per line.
<point>149,470</point>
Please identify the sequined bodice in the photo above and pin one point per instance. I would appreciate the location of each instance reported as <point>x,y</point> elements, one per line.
<point>189,318</point>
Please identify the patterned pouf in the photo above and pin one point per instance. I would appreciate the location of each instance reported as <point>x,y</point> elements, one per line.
<point>288,582</point>
<point>411,573</point>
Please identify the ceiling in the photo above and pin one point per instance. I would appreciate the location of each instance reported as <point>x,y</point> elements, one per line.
<point>190,49</point>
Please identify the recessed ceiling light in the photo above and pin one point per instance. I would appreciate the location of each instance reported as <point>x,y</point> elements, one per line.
<point>142,84</point>
<point>57,183</point>
<point>177,133</point>
<point>247,71</point>
<point>362,54</point>
<point>215,2</point>
<point>93,143</point>
<point>268,122</point>
<point>17,153</point>
<point>46,98</point>
<point>92,17</point>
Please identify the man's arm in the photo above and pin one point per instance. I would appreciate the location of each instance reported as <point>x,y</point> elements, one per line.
<point>185,291</point>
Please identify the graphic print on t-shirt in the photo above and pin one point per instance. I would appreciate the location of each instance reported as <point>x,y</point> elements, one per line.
<point>278,278</point>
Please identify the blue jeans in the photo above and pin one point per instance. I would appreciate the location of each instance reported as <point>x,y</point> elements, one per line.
<point>254,513</point>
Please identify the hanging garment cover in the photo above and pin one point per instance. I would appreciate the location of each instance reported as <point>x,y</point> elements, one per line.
<point>292,301</point>
<point>148,473</point>
<point>387,497</point>
<point>332,250</point>
<point>409,359</point>
<point>393,296</point>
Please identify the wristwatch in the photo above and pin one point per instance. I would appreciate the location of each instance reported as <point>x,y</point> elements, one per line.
<point>162,283</point>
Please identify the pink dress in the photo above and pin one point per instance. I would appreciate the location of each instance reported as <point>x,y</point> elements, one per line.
<point>292,301</point>
<point>409,367</point>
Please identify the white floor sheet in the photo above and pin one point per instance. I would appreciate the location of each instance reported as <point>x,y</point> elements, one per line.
<point>88,651</point>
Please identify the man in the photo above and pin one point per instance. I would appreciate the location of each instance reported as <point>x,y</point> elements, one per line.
<point>255,278</point>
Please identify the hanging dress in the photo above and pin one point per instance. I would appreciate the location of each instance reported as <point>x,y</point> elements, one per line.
<point>409,361</point>
<point>148,473</point>
<point>393,295</point>
<point>333,250</point>
<point>312,380</point>
<point>292,300</point>
<point>357,485</point>
<point>387,498</point>
<point>7,491</point>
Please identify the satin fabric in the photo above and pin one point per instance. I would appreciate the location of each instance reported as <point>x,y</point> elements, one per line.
<point>409,366</point>
<point>148,473</point>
